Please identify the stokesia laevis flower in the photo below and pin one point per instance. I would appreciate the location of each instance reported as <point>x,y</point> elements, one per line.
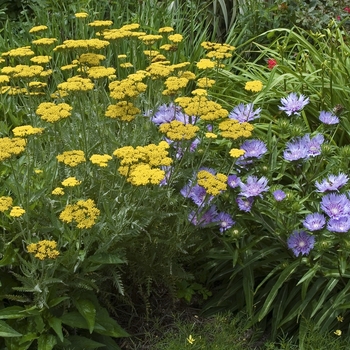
<point>225,221</point>
<point>314,144</point>
<point>202,220</point>
<point>233,181</point>
<point>314,222</point>
<point>332,183</point>
<point>335,205</point>
<point>253,149</point>
<point>254,186</point>
<point>328,118</point>
<point>167,113</point>
<point>245,204</point>
<point>300,242</point>
<point>341,225</point>
<point>295,150</point>
<point>244,113</point>
<point>292,104</point>
<point>279,195</point>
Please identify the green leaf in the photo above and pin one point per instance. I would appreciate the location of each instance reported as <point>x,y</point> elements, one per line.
<point>78,342</point>
<point>56,325</point>
<point>272,295</point>
<point>7,331</point>
<point>46,342</point>
<point>106,325</point>
<point>87,309</point>
<point>11,312</point>
<point>56,301</point>
<point>103,258</point>
<point>9,256</point>
<point>75,320</point>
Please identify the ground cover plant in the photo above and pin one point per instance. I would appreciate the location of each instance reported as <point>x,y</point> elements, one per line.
<point>134,162</point>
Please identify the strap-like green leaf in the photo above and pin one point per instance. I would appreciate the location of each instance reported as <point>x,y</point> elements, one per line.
<point>7,331</point>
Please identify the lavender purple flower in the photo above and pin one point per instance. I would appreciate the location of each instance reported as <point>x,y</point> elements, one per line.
<point>233,181</point>
<point>314,222</point>
<point>328,118</point>
<point>292,104</point>
<point>279,195</point>
<point>244,113</point>
<point>295,150</point>
<point>335,205</point>
<point>225,221</point>
<point>332,183</point>
<point>253,149</point>
<point>314,144</point>
<point>202,220</point>
<point>341,225</point>
<point>300,242</point>
<point>254,186</point>
<point>167,113</point>
<point>245,204</point>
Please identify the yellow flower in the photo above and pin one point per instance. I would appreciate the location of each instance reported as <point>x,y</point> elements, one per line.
<point>143,174</point>
<point>199,92</point>
<point>174,84</point>
<point>52,112</point>
<point>190,339</point>
<point>38,171</point>
<point>91,59</point>
<point>37,29</point>
<point>76,84</point>
<point>71,182</point>
<point>205,82</point>
<point>126,65</point>
<point>159,70</point>
<point>338,332</point>
<point>43,249</point>
<point>17,211</point>
<point>214,184</point>
<point>204,63</point>
<point>150,39</point>
<point>84,213</point>
<point>100,72</point>
<point>176,130</point>
<point>81,15</point>
<point>123,110</point>
<point>58,191</point>
<point>236,152</point>
<point>44,41</point>
<point>24,51</point>
<point>165,30</point>
<point>211,135</point>
<point>26,130</point>
<point>101,24</point>
<point>175,38</point>
<point>340,318</point>
<point>4,79</point>
<point>11,146</point>
<point>23,71</point>
<point>100,159</point>
<point>254,86</point>
<point>5,203</point>
<point>231,128</point>
<point>72,158</point>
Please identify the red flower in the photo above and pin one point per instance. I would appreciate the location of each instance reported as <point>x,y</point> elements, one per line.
<point>271,62</point>
<point>347,9</point>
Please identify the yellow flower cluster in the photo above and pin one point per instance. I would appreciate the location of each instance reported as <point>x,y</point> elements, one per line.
<point>214,184</point>
<point>44,41</point>
<point>26,130</point>
<point>38,29</point>
<point>41,59</point>
<point>70,182</point>
<point>81,15</point>
<point>140,164</point>
<point>205,63</point>
<point>100,72</point>
<point>123,110</point>
<point>205,82</point>
<point>4,79</point>
<point>159,69</point>
<point>17,211</point>
<point>11,146</point>
<point>44,249</point>
<point>100,159</point>
<point>174,84</point>
<point>72,158</point>
<point>202,107</point>
<point>165,30</point>
<point>75,84</point>
<point>100,24</point>
<point>254,85</point>
<point>23,71</point>
<point>125,31</point>
<point>149,39</point>
<point>218,51</point>
<point>84,213</point>
<point>5,203</point>
<point>177,131</point>
<point>91,59</point>
<point>24,51</point>
<point>233,129</point>
<point>175,38</point>
<point>58,191</point>
<point>127,88</point>
<point>51,112</point>
<point>236,152</point>
<point>87,44</point>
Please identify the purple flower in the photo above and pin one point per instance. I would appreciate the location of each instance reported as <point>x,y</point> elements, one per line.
<point>245,204</point>
<point>339,225</point>
<point>168,172</point>
<point>314,222</point>
<point>300,242</point>
<point>292,104</point>
<point>197,193</point>
<point>332,183</point>
<point>233,181</point>
<point>244,113</point>
<point>167,113</point>
<point>296,150</point>
<point>225,221</point>
<point>328,118</point>
<point>335,205</point>
<point>253,149</point>
<point>205,219</point>
<point>180,150</point>
<point>279,195</point>
<point>314,144</point>
<point>253,187</point>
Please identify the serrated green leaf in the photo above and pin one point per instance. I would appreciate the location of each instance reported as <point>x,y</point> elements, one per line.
<point>75,320</point>
<point>106,325</point>
<point>11,312</point>
<point>46,342</point>
<point>56,301</point>
<point>7,331</point>
<point>56,324</point>
<point>87,309</point>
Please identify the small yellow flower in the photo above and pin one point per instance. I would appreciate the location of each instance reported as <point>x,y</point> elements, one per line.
<point>340,318</point>
<point>38,171</point>
<point>58,191</point>
<point>38,29</point>
<point>254,86</point>
<point>211,135</point>
<point>81,15</point>
<point>17,211</point>
<point>71,182</point>
<point>5,203</point>
<point>190,339</point>
<point>236,152</point>
<point>338,332</point>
